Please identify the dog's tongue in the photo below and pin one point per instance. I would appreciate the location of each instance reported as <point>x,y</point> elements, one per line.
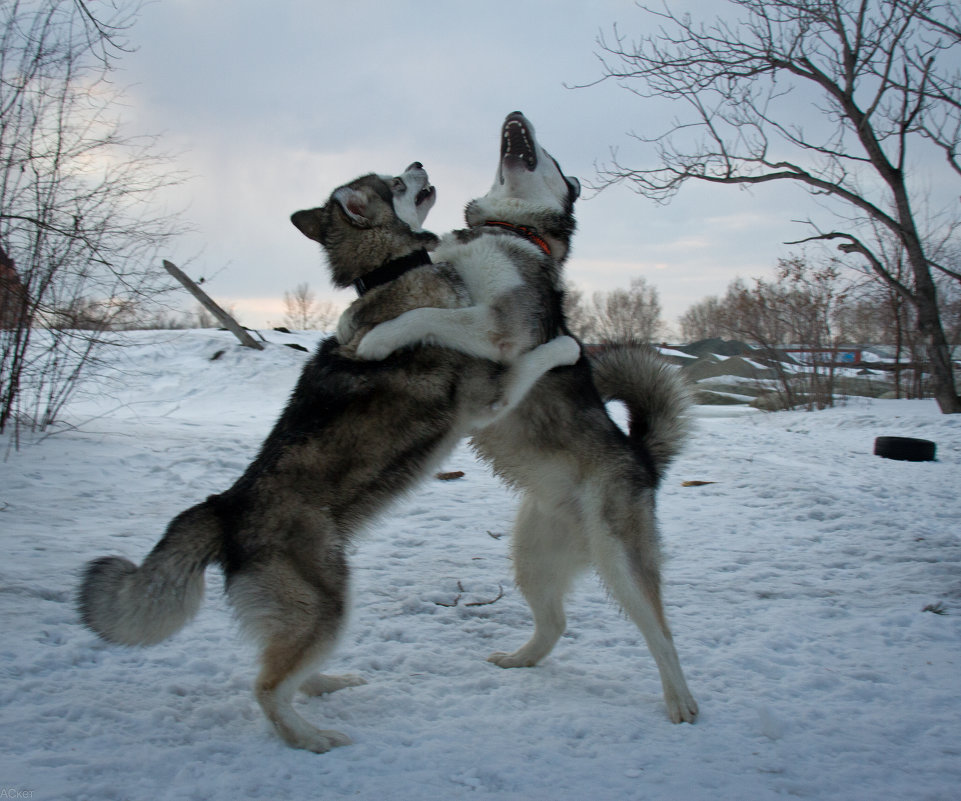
<point>517,144</point>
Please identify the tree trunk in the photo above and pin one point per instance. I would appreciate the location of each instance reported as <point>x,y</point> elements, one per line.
<point>926,300</point>
<point>942,370</point>
<point>897,303</point>
<point>935,343</point>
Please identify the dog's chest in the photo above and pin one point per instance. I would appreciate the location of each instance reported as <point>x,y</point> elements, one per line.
<point>484,265</point>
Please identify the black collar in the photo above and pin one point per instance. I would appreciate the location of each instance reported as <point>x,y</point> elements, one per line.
<point>390,270</point>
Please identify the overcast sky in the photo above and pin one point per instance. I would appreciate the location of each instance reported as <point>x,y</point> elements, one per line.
<point>270,106</point>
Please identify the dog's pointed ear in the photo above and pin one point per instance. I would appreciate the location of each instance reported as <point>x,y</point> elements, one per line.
<point>310,223</point>
<point>354,204</point>
<point>475,213</point>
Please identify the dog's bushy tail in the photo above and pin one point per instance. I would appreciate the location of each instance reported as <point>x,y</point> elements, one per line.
<point>143,605</point>
<point>656,396</point>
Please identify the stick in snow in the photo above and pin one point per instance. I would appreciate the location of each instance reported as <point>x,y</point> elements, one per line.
<point>226,320</point>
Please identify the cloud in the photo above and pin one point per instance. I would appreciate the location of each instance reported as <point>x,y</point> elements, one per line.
<point>274,105</point>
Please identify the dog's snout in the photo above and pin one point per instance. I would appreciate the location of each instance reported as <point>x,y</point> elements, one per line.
<point>416,166</point>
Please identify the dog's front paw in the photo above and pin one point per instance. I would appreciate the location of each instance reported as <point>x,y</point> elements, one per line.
<point>321,683</point>
<point>346,327</point>
<point>375,346</point>
<point>567,351</point>
<point>516,659</point>
<point>320,741</point>
<point>681,707</point>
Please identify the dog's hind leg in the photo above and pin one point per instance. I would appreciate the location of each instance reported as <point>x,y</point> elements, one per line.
<point>549,551</point>
<point>296,617</point>
<point>283,669</point>
<point>624,549</point>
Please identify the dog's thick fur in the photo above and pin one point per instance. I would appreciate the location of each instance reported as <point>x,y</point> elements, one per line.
<point>354,436</point>
<point>589,489</point>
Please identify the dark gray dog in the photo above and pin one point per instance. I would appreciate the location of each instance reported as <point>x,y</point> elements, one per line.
<point>354,436</point>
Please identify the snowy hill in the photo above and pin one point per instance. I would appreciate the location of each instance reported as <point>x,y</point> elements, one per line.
<point>796,587</point>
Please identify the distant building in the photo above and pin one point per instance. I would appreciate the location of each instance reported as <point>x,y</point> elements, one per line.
<point>838,357</point>
<point>11,292</point>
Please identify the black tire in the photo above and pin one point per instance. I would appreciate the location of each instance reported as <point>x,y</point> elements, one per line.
<point>905,449</point>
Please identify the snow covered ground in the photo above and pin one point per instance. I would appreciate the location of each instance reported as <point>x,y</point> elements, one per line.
<point>795,585</point>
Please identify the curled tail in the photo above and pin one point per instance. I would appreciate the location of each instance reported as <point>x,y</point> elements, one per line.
<point>656,396</point>
<point>143,605</point>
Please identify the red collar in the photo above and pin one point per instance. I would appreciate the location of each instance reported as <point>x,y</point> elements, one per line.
<point>525,231</point>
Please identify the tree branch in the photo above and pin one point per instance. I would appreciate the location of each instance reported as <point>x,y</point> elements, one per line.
<point>855,245</point>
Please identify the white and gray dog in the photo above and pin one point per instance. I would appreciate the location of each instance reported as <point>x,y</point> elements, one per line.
<point>589,489</point>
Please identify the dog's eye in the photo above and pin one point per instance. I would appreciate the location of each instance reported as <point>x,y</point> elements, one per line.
<point>398,186</point>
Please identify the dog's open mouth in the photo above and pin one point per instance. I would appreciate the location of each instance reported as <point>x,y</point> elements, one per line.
<point>517,142</point>
<point>424,195</point>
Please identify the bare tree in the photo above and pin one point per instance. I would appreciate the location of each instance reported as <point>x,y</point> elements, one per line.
<point>628,315</point>
<point>801,306</point>
<point>78,228</point>
<point>864,319</point>
<point>618,316</point>
<point>883,79</point>
<point>876,313</point>
<point>951,313</point>
<point>811,300</point>
<point>702,320</point>
<point>757,314</point>
<point>305,312</point>
<point>577,314</point>
<point>201,318</point>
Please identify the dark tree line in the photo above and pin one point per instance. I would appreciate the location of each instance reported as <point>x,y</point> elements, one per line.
<point>819,308</point>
